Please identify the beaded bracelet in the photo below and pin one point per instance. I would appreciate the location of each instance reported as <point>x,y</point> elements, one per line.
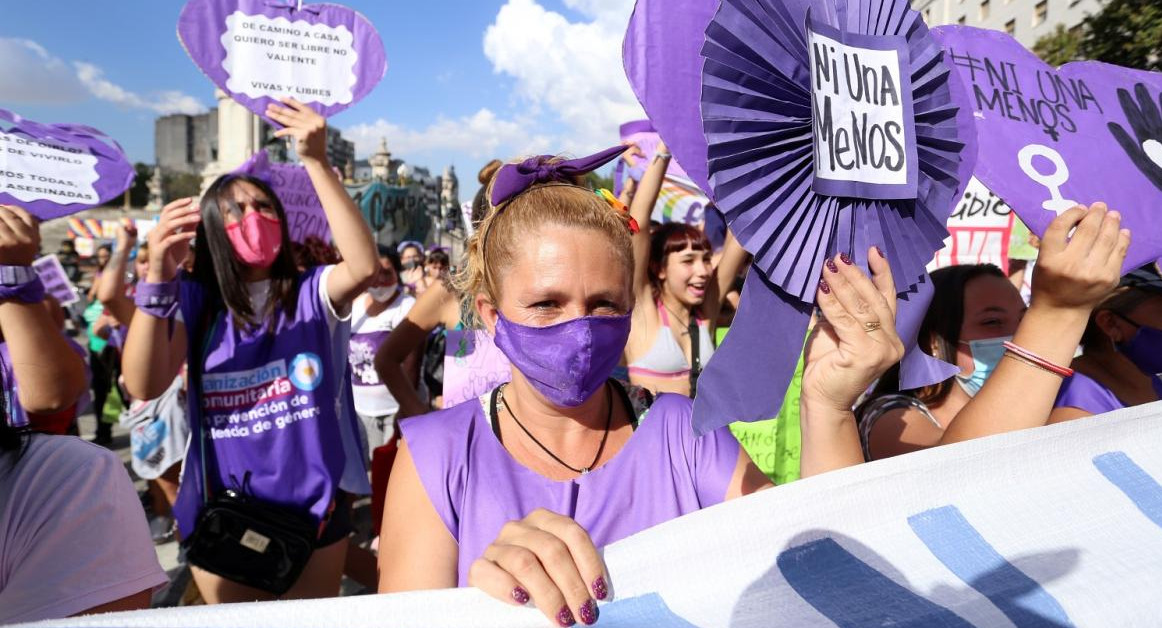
<point>159,300</point>
<point>1035,360</point>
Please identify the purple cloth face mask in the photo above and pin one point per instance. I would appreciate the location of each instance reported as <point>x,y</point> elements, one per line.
<point>1145,350</point>
<point>567,362</point>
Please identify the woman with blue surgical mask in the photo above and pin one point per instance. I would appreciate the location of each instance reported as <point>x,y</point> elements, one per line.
<point>1121,358</point>
<point>1012,360</point>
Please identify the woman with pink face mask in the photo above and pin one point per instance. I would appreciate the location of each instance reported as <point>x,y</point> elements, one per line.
<point>274,438</point>
<point>977,319</point>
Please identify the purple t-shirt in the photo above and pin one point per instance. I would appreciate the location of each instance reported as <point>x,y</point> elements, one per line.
<point>1086,394</point>
<point>267,404</point>
<point>662,472</point>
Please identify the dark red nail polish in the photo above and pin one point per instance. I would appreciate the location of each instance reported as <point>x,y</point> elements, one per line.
<point>880,252</point>
<point>520,596</point>
<point>565,617</point>
<point>589,613</point>
<point>845,258</point>
<point>831,266</point>
<point>824,287</point>
<point>600,589</point>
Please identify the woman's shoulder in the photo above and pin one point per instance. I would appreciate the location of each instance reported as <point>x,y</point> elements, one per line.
<point>1086,393</point>
<point>450,426</point>
<point>51,461</point>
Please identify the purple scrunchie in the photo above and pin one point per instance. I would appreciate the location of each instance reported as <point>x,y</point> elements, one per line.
<point>27,292</point>
<point>159,300</point>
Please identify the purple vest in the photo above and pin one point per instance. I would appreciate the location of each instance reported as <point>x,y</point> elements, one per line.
<point>661,473</point>
<point>266,405</point>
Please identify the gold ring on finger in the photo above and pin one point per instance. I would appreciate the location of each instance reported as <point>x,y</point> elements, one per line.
<point>873,326</point>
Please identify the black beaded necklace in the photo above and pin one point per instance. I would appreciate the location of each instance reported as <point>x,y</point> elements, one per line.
<point>600,448</point>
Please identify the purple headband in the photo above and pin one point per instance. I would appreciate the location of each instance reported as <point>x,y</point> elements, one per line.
<point>514,179</point>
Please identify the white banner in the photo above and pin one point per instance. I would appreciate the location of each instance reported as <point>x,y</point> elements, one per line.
<point>1058,526</point>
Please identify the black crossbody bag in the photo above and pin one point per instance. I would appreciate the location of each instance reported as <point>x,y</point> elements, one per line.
<point>241,538</point>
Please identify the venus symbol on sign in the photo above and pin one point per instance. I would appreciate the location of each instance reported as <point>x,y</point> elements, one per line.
<point>1052,181</point>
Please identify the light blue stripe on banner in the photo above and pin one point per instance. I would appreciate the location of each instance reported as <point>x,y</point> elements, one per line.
<point>853,594</point>
<point>646,610</point>
<point>1132,480</point>
<point>953,540</point>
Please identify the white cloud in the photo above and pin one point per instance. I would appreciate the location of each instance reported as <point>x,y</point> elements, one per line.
<point>569,70</point>
<point>29,75</point>
<point>481,135</point>
<point>165,102</point>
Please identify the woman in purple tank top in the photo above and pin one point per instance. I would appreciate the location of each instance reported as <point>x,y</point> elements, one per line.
<point>513,492</point>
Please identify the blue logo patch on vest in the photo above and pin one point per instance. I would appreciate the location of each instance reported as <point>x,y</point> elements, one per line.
<point>306,371</point>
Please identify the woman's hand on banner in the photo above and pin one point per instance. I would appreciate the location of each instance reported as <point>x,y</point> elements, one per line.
<point>1081,258</point>
<point>855,340</point>
<point>547,560</point>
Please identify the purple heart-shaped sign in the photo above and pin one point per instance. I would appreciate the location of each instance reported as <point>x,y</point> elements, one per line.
<point>259,51</point>
<point>55,170</point>
<point>1050,138</point>
<point>668,85</point>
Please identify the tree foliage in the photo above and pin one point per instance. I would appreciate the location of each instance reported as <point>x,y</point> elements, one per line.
<point>1059,47</point>
<point>1125,32</point>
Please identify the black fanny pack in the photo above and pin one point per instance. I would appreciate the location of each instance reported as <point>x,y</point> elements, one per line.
<point>252,542</point>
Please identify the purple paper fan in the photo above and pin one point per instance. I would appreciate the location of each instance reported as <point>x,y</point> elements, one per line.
<point>757,118</point>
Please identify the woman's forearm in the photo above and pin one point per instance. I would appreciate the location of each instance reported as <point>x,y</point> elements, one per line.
<point>51,376</point>
<point>349,231</point>
<point>830,438</point>
<point>1017,395</point>
<point>152,356</point>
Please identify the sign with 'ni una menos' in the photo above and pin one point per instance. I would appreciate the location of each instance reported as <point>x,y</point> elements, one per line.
<point>862,114</point>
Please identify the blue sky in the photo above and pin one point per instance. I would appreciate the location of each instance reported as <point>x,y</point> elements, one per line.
<point>467,79</point>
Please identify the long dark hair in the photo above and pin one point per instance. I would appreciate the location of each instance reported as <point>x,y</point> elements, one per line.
<point>940,332</point>
<point>220,271</point>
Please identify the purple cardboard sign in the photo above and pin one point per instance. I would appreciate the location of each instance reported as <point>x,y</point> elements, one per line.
<point>258,51</point>
<point>756,101</point>
<point>1051,139</point>
<point>668,84</point>
<point>55,170</point>
<point>641,133</point>
<point>861,110</point>
<point>56,281</point>
<point>304,211</point>
<point>472,366</point>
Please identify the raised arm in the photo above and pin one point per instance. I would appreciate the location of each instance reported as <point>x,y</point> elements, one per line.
<point>352,237</point>
<point>732,260</point>
<point>111,289</point>
<point>51,375</point>
<point>853,344</point>
<point>404,341</point>
<point>156,345</point>
<point>644,198</point>
<point>1073,274</point>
